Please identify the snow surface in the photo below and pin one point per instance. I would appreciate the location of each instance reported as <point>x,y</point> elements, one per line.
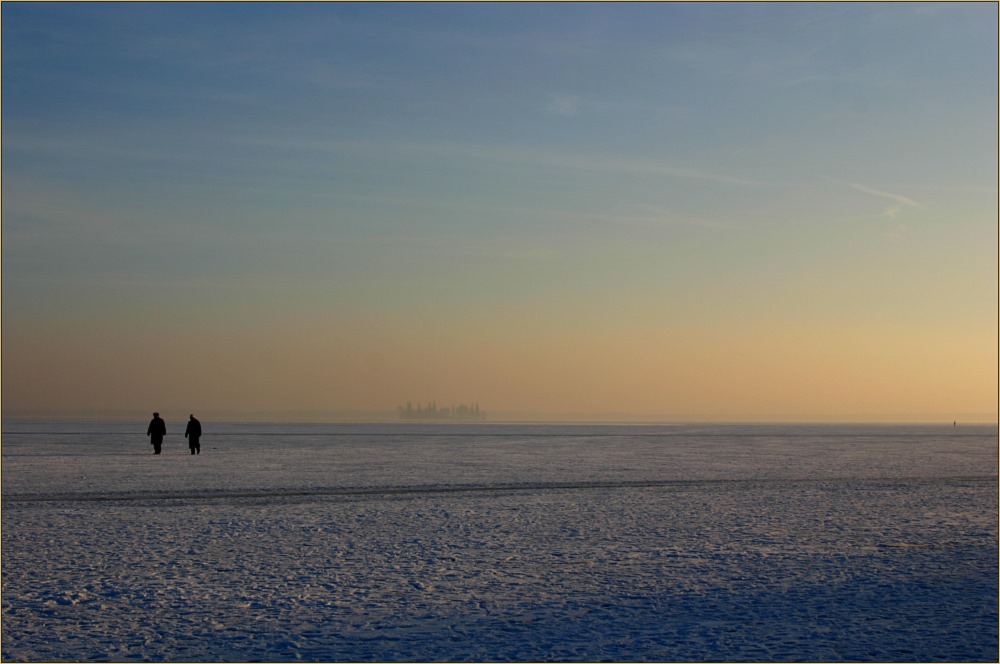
<point>500,542</point>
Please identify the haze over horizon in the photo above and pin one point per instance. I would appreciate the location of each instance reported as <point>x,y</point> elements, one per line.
<point>672,211</point>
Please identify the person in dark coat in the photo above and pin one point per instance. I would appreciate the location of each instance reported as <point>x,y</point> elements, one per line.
<point>156,431</point>
<point>193,433</point>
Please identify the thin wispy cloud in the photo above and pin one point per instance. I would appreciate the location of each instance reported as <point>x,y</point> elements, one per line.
<point>657,216</point>
<point>490,153</point>
<point>892,211</point>
<point>909,202</point>
<point>605,164</point>
<point>563,105</point>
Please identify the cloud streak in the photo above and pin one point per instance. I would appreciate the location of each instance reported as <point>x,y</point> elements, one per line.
<point>562,105</point>
<point>518,155</point>
<point>909,202</point>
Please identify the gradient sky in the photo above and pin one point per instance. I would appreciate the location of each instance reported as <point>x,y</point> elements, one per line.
<point>675,211</point>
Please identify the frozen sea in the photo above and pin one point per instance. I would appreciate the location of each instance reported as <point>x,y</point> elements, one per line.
<point>410,542</point>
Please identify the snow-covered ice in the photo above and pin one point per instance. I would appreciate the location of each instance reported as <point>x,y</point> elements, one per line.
<point>500,542</point>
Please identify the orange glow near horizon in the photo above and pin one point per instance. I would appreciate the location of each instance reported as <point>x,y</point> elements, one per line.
<point>763,371</point>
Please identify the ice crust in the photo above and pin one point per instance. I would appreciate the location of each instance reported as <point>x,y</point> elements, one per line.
<point>500,543</point>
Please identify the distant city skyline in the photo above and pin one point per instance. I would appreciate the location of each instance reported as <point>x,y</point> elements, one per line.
<point>648,211</point>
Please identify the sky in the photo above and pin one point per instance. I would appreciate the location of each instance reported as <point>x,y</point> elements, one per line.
<point>649,212</point>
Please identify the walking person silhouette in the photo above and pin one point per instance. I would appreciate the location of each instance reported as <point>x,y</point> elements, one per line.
<point>156,430</point>
<point>193,433</point>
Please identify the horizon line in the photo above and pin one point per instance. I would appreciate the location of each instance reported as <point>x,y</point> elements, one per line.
<point>365,416</point>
